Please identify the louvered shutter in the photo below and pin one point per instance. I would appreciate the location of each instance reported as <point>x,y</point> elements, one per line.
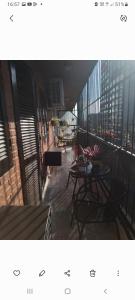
<point>4,139</point>
<point>3,150</point>
<point>27,134</point>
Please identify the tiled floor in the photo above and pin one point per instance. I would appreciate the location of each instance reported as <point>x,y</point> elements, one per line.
<point>60,200</point>
<point>22,223</point>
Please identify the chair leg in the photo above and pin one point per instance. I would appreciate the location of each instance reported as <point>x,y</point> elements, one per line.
<point>72,219</point>
<point>68,180</point>
<point>72,214</point>
<point>73,195</point>
<point>97,189</point>
<point>80,230</point>
<point>117,230</point>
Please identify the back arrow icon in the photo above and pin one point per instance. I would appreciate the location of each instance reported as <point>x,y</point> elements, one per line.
<point>11,18</point>
<point>105,291</point>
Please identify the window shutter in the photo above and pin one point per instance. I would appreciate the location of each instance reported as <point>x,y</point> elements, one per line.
<point>27,132</point>
<point>5,161</point>
<point>3,148</point>
<point>29,147</point>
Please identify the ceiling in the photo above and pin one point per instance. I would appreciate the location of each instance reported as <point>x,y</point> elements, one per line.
<point>73,72</point>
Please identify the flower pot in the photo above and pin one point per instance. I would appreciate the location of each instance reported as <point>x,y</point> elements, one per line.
<point>55,122</point>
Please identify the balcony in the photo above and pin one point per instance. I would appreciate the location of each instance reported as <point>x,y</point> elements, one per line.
<point>54,106</point>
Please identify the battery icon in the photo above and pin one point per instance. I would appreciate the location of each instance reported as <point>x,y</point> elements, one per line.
<point>29,3</point>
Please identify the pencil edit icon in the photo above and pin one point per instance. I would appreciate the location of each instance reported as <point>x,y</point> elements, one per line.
<point>42,273</point>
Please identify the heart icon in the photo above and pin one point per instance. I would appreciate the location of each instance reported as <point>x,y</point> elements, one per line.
<point>16,272</point>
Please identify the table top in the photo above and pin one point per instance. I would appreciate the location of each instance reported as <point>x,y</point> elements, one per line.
<point>90,170</point>
<point>81,170</point>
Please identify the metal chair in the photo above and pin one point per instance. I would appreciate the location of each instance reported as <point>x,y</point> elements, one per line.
<point>75,174</point>
<point>88,208</point>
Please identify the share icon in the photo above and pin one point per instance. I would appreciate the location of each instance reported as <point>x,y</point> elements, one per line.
<point>67,273</point>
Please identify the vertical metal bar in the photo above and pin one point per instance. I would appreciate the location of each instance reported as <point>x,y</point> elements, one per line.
<point>87,127</point>
<point>122,114</point>
<point>127,126</point>
<point>133,121</point>
<point>118,116</point>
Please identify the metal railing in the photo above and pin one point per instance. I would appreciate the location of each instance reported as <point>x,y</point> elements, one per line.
<point>122,164</point>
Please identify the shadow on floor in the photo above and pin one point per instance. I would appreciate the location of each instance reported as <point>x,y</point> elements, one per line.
<point>60,200</point>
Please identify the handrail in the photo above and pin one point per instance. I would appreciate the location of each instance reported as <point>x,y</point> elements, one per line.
<point>120,148</point>
<point>126,216</point>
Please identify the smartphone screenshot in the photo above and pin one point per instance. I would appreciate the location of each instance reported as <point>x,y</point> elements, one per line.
<point>67,150</point>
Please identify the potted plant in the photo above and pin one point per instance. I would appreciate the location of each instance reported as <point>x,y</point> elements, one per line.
<point>55,121</point>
